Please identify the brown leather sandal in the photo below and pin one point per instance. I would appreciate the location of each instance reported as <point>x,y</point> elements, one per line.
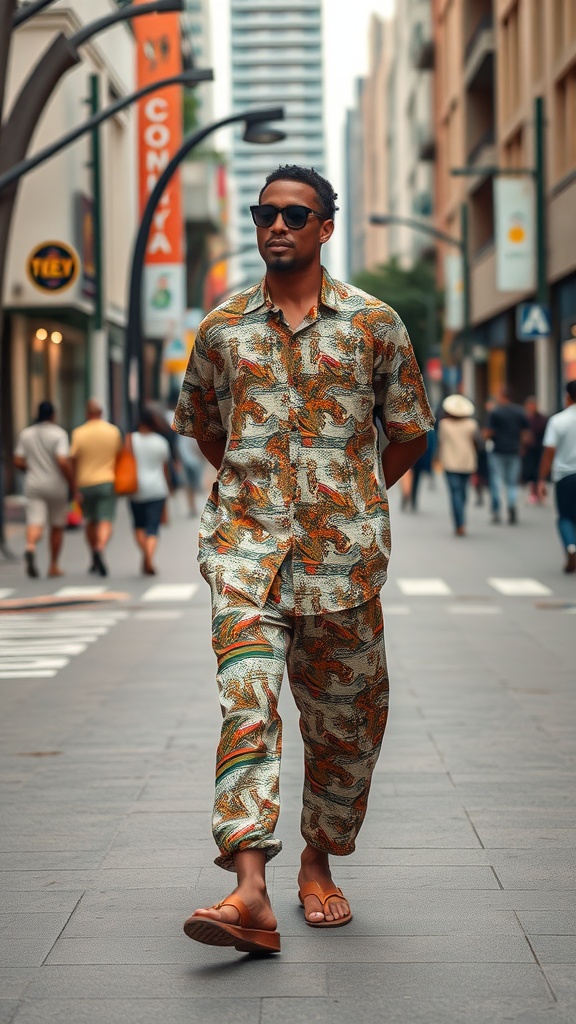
<point>324,895</point>
<point>244,937</point>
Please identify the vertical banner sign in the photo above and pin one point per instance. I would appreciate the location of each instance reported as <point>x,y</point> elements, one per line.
<point>454,291</point>
<point>159,136</point>
<point>514,200</point>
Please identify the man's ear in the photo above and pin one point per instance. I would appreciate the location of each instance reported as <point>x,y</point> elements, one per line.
<point>326,231</point>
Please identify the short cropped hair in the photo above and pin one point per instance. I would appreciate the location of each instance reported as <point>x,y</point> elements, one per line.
<point>307,176</point>
<point>571,390</point>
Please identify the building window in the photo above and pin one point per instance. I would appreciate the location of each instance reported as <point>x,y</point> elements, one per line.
<point>511,63</point>
<point>565,136</point>
<point>538,39</point>
<point>514,150</point>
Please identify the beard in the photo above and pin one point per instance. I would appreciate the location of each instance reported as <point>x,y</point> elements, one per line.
<point>279,263</point>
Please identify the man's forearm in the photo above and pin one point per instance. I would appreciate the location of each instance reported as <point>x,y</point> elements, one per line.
<point>398,457</point>
<point>213,451</point>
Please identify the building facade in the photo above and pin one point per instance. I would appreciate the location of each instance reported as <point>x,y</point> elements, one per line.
<point>276,60</point>
<point>50,348</point>
<point>494,57</point>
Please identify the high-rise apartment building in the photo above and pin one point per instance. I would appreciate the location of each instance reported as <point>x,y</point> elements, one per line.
<point>276,60</point>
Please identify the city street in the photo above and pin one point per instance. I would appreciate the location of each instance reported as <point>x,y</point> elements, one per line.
<point>462,885</point>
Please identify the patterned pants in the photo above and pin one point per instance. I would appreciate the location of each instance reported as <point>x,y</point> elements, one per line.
<point>336,665</point>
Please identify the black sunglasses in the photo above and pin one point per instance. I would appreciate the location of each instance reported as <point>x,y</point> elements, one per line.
<point>294,217</point>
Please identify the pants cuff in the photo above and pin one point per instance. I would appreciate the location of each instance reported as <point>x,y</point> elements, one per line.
<point>271,847</point>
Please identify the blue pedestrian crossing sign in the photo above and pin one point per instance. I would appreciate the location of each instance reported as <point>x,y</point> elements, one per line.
<point>532,321</point>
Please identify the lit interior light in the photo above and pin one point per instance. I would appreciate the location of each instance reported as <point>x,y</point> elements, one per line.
<point>56,337</point>
<point>41,334</point>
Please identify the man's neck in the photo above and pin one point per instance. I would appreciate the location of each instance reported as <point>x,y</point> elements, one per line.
<point>297,289</point>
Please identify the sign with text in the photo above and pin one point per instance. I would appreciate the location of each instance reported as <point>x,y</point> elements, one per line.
<point>53,266</point>
<point>160,136</point>
<point>514,201</point>
<point>454,291</point>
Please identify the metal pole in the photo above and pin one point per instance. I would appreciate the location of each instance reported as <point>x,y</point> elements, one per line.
<point>134,365</point>
<point>465,277</point>
<point>97,365</point>
<point>548,385</point>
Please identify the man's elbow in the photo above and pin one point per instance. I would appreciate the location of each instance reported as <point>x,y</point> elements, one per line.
<point>420,444</point>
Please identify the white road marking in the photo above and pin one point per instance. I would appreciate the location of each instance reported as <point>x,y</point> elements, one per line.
<point>474,609</point>
<point>428,587</point>
<point>5,592</point>
<point>396,609</point>
<point>519,587</point>
<point>33,663</point>
<point>28,674</point>
<point>170,592</point>
<point>161,614</point>
<point>79,591</point>
<point>7,649</point>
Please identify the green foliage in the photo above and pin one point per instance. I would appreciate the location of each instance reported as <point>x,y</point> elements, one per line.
<point>414,296</point>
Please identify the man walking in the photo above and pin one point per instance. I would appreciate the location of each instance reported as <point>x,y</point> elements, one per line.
<point>42,453</point>
<point>94,450</point>
<point>281,391</point>
<point>508,429</point>
<point>559,457</point>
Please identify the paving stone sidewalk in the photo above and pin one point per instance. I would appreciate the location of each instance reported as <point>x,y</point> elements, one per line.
<point>463,884</point>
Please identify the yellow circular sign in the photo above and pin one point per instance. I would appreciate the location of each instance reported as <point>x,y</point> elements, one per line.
<point>53,266</point>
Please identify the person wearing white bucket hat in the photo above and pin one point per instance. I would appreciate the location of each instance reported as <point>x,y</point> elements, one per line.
<point>458,436</point>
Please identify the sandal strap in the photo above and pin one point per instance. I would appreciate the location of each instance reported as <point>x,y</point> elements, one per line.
<point>240,906</point>
<point>315,889</point>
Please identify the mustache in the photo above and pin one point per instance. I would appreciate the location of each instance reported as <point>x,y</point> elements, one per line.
<point>282,241</point>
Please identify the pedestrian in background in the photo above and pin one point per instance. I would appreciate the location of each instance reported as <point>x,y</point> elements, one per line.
<point>152,454</point>
<point>533,448</point>
<point>281,391</point>
<point>42,454</point>
<point>457,453</point>
<point>94,450</point>
<point>559,460</point>
<point>508,429</point>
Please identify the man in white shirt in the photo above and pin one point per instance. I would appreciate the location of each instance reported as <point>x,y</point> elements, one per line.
<point>42,453</point>
<point>559,457</point>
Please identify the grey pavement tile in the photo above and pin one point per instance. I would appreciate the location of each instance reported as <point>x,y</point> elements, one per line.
<point>554,869</point>
<point>26,952</point>
<point>554,949</point>
<point>23,902</point>
<point>425,855</point>
<point>527,838</point>
<point>559,922</point>
<point>157,898</point>
<point>95,922</point>
<point>45,860</point>
<point>209,970</point>
<point>465,982</point>
<point>412,1008</point>
<point>562,981</point>
<point>358,880</point>
<point>339,946</point>
<point>154,857</point>
<point>30,925</point>
<point>8,1009</point>
<point>110,879</point>
<point>210,1010</point>
<point>14,981</point>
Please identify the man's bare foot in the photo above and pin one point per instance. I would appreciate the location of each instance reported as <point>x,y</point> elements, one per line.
<point>315,867</point>
<point>55,570</point>
<point>258,903</point>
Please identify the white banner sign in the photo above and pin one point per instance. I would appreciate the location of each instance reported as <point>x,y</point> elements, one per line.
<point>164,299</point>
<point>515,234</point>
<point>454,291</point>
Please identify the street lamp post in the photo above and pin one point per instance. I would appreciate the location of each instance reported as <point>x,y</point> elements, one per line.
<point>460,243</point>
<point>17,130</point>
<point>256,131</point>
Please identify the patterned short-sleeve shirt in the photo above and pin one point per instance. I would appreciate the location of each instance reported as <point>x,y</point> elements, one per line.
<point>301,471</point>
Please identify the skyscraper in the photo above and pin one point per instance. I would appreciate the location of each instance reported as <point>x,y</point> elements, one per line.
<point>276,60</point>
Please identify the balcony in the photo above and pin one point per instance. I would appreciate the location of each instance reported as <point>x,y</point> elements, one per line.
<point>483,152</point>
<point>425,142</point>
<point>479,55</point>
<point>422,47</point>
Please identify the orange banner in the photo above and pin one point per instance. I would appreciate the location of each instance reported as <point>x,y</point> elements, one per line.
<point>160,131</point>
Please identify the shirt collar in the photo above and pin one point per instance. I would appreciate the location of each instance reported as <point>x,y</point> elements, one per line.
<point>330,295</point>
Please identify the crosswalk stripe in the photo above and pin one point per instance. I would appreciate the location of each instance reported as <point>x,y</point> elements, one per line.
<point>474,609</point>
<point>425,587</point>
<point>170,592</point>
<point>158,614</point>
<point>29,674</point>
<point>36,646</point>
<point>396,609</point>
<point>6,592</point>
<point>519,587</point>
<point>35,663</point>
<point>79,591</point>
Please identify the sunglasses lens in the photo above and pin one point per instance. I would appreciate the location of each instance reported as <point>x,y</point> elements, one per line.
<point>264,216</point>
<point>295,216</point>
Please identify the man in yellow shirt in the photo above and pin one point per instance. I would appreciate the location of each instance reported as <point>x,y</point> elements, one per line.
<point>94,449</point>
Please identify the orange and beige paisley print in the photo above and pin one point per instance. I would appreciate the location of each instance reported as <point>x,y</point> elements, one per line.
<point>301,470</point>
